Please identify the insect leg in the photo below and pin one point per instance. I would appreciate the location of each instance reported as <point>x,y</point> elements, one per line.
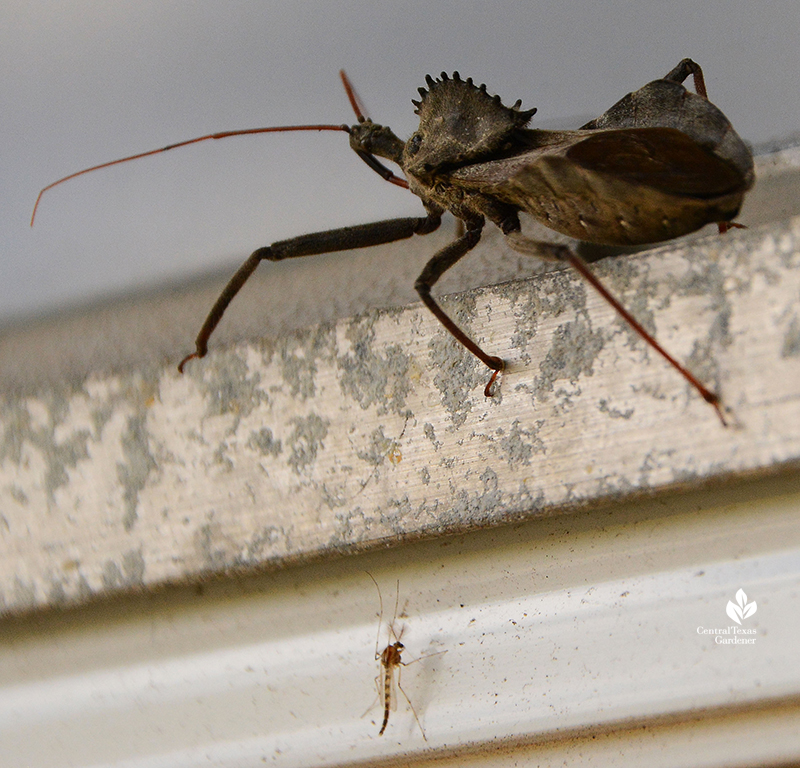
<point>381,169</point>
<point>369,159</point>
<point>343,239</point>
<point>434,269</point>
<point>413,711</point>
<point>561,252</point>
<point>377,682</point>
<point>685,68</point>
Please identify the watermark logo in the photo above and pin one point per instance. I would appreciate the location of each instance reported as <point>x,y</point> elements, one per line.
<point>736,634</point>
<point>741,609</point>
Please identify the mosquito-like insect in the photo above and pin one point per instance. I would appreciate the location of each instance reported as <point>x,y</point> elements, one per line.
<point>660,163</point>
<point>391,661</point>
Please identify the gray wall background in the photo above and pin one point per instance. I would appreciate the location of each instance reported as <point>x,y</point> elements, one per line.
<point>87,82</point>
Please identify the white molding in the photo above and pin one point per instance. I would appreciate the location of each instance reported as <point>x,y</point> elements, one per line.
<point>553,632</point>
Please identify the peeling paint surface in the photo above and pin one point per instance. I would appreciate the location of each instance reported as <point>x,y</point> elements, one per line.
<point>376,429</point>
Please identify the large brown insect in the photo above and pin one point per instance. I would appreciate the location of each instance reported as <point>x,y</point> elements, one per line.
<point>662,162</point>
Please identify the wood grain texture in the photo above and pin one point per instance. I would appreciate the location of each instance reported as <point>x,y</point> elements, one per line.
<point>375,429</point>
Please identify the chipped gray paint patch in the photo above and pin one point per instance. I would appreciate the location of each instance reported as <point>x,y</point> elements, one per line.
<point>56,594</point>
<point>375,429</point>
<point>24,593</point>
<point>614,413</point>
<point>18,495</point>
<point>263,442</point>
<point>129,572</point>
<point>306,441</point>
<point>574,346</point>
<point>791,340</point>
<point>430,432</point>
<point>631,282</point>
<point>520,445</point>
<point>136,468</point>
<point>299,356</point>
<point>457,371</point>
<point>480,505</point>
<point>379,448</point>
<point>42,431</point>
<point>229,385</point>
<point>371,378</point>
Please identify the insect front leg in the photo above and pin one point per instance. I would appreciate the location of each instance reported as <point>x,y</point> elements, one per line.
<point>551,251</point>
<point>434,269</point>
<point>344,239</point>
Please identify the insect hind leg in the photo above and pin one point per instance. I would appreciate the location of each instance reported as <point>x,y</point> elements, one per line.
<point>405,696</point>
<point>556,252</point>
<point>685,68</point>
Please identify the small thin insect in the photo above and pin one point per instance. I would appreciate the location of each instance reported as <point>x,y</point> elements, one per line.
<point>391,661</point>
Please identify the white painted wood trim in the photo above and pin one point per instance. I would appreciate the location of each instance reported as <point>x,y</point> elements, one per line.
<point>572,638</point>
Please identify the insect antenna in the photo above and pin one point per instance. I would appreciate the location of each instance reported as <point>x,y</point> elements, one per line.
<point>370,160</point>
<point>380,613</point>
<point>391,630</point>
<point>220,135</point>
<point>355,101</point>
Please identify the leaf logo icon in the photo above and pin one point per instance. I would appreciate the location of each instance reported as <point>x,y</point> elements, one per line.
<point>741,609</point>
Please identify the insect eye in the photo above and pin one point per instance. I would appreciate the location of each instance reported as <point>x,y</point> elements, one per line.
<point>414,143</point>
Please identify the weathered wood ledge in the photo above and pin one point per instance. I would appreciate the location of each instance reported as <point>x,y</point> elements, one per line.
<point>375,429</point>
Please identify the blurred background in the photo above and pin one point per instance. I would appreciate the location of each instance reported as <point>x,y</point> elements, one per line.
<point>87,82</point>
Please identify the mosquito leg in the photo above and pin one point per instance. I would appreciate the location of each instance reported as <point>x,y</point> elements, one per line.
<point>343,239</point>
<point>434,269</point>
<point>562,253</point>
<point>413,711</point>
<point>377,698</point>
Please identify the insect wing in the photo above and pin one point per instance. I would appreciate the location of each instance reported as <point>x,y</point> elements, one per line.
<point>616,186</point>
<point>664,159</point>
<point>667,104</point>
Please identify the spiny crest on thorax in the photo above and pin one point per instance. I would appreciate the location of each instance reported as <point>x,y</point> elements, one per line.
<point>460,122</point>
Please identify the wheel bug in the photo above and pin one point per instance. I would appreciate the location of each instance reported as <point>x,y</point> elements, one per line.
<point>391,661</point>
<point>661,163</point>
